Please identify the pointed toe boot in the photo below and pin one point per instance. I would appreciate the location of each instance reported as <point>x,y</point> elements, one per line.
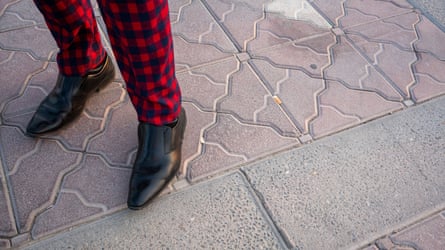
<point>67,100</point>
<point>157,161</point>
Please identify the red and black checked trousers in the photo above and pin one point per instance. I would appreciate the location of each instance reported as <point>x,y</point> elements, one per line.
<point>140,36</point>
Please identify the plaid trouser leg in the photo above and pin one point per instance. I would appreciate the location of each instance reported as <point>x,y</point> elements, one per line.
<point>74,28</point>
<point>141,39</point>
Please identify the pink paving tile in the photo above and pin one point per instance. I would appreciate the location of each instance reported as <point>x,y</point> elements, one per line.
<point>332,9</point>
<point>342,107</point>
<point>350,68</point>
<point>244,140</point>
<point>228,143</point>
<point>297,91</point>
<point>239,18</point>
<point>205,85</point>
<point>20,14</point>
<point>42,42</point>
<point>7,222</point>
<point>189,54</point>
<point>430,38</point>
<point>299,55</point>
<point>118,141</point>
<point>430,77</point>
<point>68,210</point>
<point>212,159</point>
<point>197,120</point>
<point>194,23</point>
<point>98,183</point>
<point>36,178</point>
<point>248,99</point>
<point>428,234</point>
<point>15,71</point>
<point>99,105</point>
<point>276,29</point>
<point>14,145</point>
<point>355,12</point>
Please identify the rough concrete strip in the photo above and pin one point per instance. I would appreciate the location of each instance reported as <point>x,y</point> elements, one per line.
<point>221,214</point>
<point>357,185</point>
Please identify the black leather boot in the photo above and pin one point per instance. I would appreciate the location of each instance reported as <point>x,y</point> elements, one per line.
<point>67,100</point>
<point>157,161</point>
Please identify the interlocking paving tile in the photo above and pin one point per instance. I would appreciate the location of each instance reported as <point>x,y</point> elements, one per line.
<point>14,145</point>
<point>238,17</point>
<point>41,46</point>
<point>295,89</point>
<point>195,24</point>
<point>118,142</point>
<point>428,234</point>
<point>68,210</point>
<point>341,107</point>
<point>35,181</point>
<point>197,121</point>
<point>7,222</point>
<point>430,77</point>
<point>276,29</point>
<point>20,14</point>
<point>205,85</point>
<point>257,76</point>
<point>388,45</point>
<point>248,100</point>
<point>11,85</point>
<point>355,12</point>
<point>188,54</point>
<point>230,142</point>
<point>92,189</point>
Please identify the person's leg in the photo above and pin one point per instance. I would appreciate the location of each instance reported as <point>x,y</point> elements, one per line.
<point>141,39</point>
<point>82,61</point>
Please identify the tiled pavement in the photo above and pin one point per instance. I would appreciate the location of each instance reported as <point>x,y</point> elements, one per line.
<point>257,76</point>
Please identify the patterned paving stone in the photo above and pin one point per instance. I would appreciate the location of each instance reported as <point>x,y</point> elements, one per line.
<point>41,46</point>
<point>205,85</point>
<point>231,142</point>
<point>430,39</point>
<point>341,107</point>
<point>118,142</point>
<point>92,190</point>
<point>297,10</point>
<point>14,145</point>
<point>68,210</point>
<point>298,56</point>
<point>238,17</point>
<point>7,222</point>
<point>428,234</point>
<point>35,181</point>
<point>188,54</point>
<point>430,77</point>
<point>23,66</point>
<point>248,98</point>
<point>351,69</point>
<point>388,45</point>
<point>197,121</point>
<point>195,24</point>
<point>295,89</point>
<point>20,14</point>
<point>276,29</point>
<point>347,13</point>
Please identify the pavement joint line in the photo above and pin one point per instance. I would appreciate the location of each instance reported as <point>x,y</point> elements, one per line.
<point>220,23</point>
<point>261,203</point>
<point>375,67</point>
<point>410,222</point>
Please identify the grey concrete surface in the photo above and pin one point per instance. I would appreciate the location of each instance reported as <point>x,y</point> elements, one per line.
<point>337,193</point>
<point>359,184</point>
<point>433,9</point>
<point>222,214</point>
